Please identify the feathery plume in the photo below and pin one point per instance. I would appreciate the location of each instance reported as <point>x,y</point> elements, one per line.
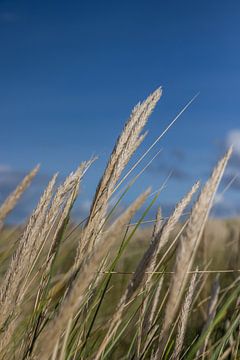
<point>158,223</point>
<point>188,246</point>
<point>149,259</point>
<point>148,318</point>
<point>14,276</point>
<point>73,300</point>
<point>146,264</point>
<point>61,204</point>
<point>64,199</point>
<point>11,201</point>
<point>126,145</point>
<point>151,314</point>
<point>9,292</point>
<point>37,232</point>
<point>184,318</point>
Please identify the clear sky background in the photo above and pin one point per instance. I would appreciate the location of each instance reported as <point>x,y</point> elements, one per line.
<point>70,72</point>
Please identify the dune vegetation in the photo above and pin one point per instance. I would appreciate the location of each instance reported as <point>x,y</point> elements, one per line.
<point>110,288</point>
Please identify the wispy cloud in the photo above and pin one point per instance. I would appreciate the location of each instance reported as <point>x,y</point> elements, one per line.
<point>232,174</point>
<point>226,207</point>
<point>233,139</point>
<point>227,202</point>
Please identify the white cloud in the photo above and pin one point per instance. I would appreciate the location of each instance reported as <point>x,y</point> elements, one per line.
<point>233,138</point>
<point>219,199</point>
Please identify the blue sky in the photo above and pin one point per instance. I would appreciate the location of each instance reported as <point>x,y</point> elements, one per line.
<point>72,70</point>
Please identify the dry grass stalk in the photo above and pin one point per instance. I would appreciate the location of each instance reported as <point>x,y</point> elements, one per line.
<point>9,292</point>
<point>151,314</point>
<point>87,272</point>
<point>185,311</point>
<point>162,237</point>
<point>11,201</point>
<point>35,241</point>
<point>188,246</point>
<point>145,308</point>
<point>226,354</point>
<point>149,260</point>
<point>62,202</point>
<point>14,276</point>
<point>212,308</point>
<point>158,223</point>
<point>145,265</point>
<point>156,141</point>
<point>60,207</point>
<point>154,307</point>
<point>128,142</point>
<point>52,220</point>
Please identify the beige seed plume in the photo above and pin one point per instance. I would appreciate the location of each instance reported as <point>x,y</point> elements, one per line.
<point>146,264</point>
<point>162,237</point>
<point>148,316</point>
<point>62,196</point>
<point>149,259</point>
<point>11,284</point>
<point>125,147</point>
<point>13,198</point>
<point>65,196</point>
<point>86,274</point>
<point>188,246</point>
<point>66,188</point>
<point>151,313</point>
<point>59,207</point>
<point>158,224</point>
<point>154,307</point>
<point>69,188</point>
<point>184,318</point>
<point>46,218</point>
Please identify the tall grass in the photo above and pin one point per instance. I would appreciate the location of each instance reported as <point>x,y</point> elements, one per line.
<point>60,297</point>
